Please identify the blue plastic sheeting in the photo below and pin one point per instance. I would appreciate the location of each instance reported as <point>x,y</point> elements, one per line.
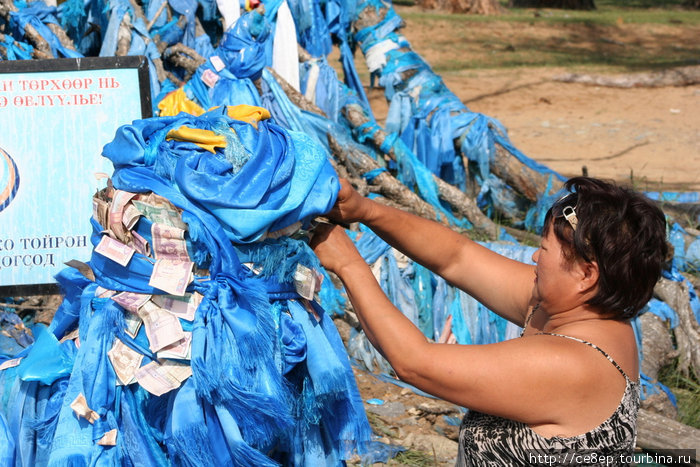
<point>379,452</point>
<point>686,254</point>
<point>674,196</point>
<point>663,311</point>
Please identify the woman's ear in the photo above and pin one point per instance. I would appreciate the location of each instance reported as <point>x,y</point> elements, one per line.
<point>588,275</point>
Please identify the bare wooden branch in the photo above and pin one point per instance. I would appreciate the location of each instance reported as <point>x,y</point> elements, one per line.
<point>124,36</point>
<point>460,203</point>
<point>21,307</point>
<point>526,181</point>
<point>184,57</point>
<point>41,46</point>
<point>61,35</point>
<point>658,352</point>
<point>304,56</point>
<point>157,62</point>
<point>156,16</point>
<point>295,96</point>
<point>681,76</point>
<point>388,185</point>
<point>687,333</point>
<point>656,432</point>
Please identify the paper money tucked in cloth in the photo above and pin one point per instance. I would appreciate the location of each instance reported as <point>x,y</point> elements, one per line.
<point>194,333</point>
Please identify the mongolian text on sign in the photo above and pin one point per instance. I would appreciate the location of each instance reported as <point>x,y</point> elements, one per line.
<point>56,116</point>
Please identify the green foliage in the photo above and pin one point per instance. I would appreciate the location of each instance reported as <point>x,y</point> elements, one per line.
<point>415,458</point>
<point>617,38</point>
<point>687,392</point>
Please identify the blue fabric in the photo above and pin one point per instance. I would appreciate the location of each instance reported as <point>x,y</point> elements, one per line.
<point>37,15</point>
<point>45,361</point>
<point>287,178</point>
<point>243,47</point>
<point>7,443</point>
<point>16,50</point>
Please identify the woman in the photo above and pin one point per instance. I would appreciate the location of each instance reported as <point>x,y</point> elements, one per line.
<point>569,385</point>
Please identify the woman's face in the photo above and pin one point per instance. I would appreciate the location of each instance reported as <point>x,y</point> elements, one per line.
<point>555,278</point>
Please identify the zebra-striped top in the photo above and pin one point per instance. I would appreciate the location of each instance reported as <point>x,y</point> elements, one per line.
<point>487,440</point>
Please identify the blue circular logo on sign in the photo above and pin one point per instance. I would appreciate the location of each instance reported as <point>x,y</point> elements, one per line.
<point>9,179</point>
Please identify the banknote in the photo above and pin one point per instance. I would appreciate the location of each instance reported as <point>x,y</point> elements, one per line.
<point>109,438</point>
<point>133,324</point>
<point>81,409</point>
<point>169,242</point>
<point>131,216</point>
<point>286,231</point>
<point>10,363</point>
<point>131,301</point>
<point>101,292</point>
<point>162,328</point>
<point>179,371</point>
<point>171,276</point>
<point>125,361</point>
<point>210,78</point>
<point>140,244</point>
<point>114,250</point>
<point>183,307</point>
<point>180,350</point>
<point>160,210</point>
<point>305,281</point>
<point>100,211</point>
<point>116,213</point>
<point>159,379</point>
<point>70,336</point>
<point>83,268</point>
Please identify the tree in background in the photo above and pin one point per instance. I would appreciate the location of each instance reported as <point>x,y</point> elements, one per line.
<point>564,4</point>
<point>474,7</point>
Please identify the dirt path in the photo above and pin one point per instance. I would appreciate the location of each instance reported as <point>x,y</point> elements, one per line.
<point>649,136</point>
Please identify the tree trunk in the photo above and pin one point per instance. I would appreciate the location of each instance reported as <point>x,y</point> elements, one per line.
<point>564,4</point>
<point>474,7</point>
<point>681,76</point>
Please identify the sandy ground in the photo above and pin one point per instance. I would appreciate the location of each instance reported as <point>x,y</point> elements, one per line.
<point>648,136</point>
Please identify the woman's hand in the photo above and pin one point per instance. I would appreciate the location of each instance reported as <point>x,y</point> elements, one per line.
<point>350,205</point>
<point>334,248</point>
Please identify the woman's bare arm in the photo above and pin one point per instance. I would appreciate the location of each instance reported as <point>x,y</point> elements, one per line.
<point>501,284</point>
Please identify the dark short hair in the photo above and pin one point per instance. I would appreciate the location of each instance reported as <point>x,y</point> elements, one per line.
<point>623,232</point>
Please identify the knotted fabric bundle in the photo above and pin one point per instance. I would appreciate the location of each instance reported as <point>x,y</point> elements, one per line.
<point>193,335</point>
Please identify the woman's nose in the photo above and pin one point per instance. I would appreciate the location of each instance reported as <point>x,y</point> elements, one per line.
<point>536,255</point>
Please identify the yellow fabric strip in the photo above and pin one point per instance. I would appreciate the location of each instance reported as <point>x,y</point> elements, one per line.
<point>205,139</point>
<point>176,102</point>
<point>248,113</point>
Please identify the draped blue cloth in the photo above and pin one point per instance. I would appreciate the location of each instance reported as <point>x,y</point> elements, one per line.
<point>287,178</point>
<point>271,382</point>
<point>38,14</point>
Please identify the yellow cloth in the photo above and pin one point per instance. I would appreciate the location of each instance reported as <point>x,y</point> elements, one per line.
<point>248,113</point>
<point>176,102</point>
<point>205,139</point>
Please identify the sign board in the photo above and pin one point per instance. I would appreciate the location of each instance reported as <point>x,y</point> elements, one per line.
<point>55,117</point>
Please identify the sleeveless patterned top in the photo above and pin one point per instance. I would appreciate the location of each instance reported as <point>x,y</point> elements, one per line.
<point>487,440</point>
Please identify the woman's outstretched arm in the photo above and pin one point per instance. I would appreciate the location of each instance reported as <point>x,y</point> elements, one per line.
<point>503,285</point>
